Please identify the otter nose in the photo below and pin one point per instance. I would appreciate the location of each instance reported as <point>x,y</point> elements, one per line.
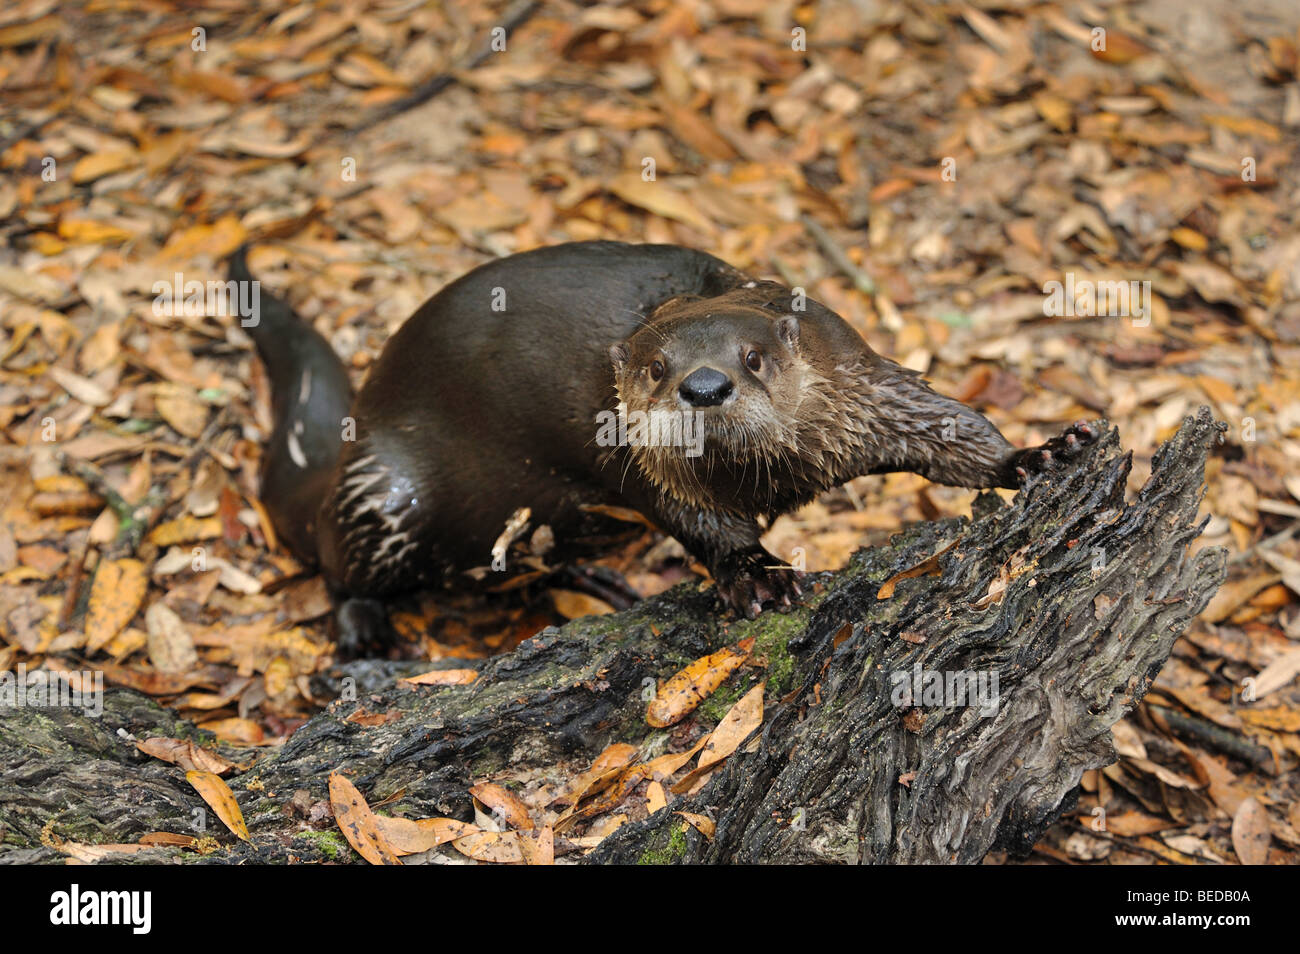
<point>705,387</point>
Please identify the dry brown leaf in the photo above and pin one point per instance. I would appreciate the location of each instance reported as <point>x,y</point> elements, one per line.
<point>168,839</point>
<point>1251,833</point>
<point>83,389</point>
<point>441,677</point>
<point>181,408</point>
<point>358,823</point>
<point>614,757</point>
<point>171,648</point>
<point>497,847</point>
<point>741,719</point>
<point>702,823</point>
<point>185,530</point>
<point>186,754</point>
<point>656,798</point>
<point>573,605</point>
<point>234,731</point>
<point>927,567</point>
<point>685,690</point>
<point>501,801</point>
<point>538,847</point>
<point>409,836</point>
<point>115,597</point>
<point>659,197</point>
<point>221,800</point>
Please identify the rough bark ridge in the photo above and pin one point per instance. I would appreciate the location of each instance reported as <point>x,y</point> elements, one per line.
<point>1093,593</point>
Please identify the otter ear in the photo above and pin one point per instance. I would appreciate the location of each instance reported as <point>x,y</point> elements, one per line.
<point>787,329</point>
<point>618,355</point>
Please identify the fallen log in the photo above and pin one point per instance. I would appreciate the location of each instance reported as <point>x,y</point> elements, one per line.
<point>1048,617</point>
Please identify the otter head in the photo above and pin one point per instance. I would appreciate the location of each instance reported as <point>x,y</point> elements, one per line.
<point>725,376</point>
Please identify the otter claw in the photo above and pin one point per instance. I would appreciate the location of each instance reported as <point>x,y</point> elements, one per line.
<point>1056,451</point>
<point>747,581</point>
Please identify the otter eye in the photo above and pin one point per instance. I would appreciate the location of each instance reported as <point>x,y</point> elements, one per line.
<point>754,361</point>
<point>656,369</point>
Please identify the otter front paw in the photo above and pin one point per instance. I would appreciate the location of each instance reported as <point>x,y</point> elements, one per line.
<point>750,578</point>
<point>1059,450</point>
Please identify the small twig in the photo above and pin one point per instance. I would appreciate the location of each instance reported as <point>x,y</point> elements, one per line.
<point>1266,544</point>
<point>1214,736</point>
<point>133,519</point>
<point>97,482</point>
<point>515,17</point>
<point>75,575</point>
<point>1120,841</point>
<point>837,256</point>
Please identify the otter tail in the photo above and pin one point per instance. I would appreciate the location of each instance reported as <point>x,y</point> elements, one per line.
<point>310,398</point>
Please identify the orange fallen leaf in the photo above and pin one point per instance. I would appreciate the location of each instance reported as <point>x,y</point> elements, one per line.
<point>702,823</point>
<point>742,719</point>
<point>660,197</point>
<point>89,232</point>
<point>1119,48</point>
<point>185,529</point>
<point>409,836</point>
<point>655,797</point>
<point>614,756</point>
<point>221,800</point>
<point>115,597</point>
<point>216,240</point>
<point>99,164</point>
<point>441,677</point>
<point>168,839</point>
<point>502,801</point>
<point>358,823</point>
<point>679,696</point>
<point>498,847</point>
<point>573,605</point>
<point>538,847</point>
<point>235,731</point>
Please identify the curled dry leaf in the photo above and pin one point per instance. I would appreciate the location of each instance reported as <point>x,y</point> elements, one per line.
<point>702,823</point>
<point>602,770</point>
<point>680,695</point>
<point>358,823</point>
<point>186,754</point>
<point>927,567</point>
<point>503,803</point>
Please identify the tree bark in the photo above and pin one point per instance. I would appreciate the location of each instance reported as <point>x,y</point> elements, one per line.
<point>1067,601</point>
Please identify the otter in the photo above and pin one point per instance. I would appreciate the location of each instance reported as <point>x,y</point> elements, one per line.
<point>498,396</point>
